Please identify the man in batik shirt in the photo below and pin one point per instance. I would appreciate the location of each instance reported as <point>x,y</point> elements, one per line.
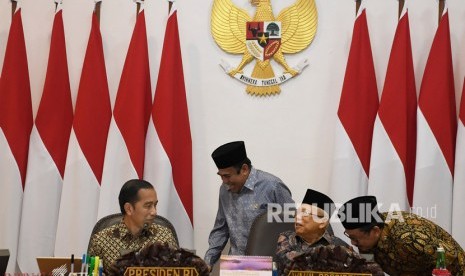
<point>138,203</point>
<point>244,194</point>
<point>311,229</point>
<point>402,243</point>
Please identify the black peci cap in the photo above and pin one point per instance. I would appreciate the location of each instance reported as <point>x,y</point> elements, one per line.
<point>229,154</point>
<point>320,200</point>
<point>359,212</point>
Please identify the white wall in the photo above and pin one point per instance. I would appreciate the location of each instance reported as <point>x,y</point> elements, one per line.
<point>290,134</point>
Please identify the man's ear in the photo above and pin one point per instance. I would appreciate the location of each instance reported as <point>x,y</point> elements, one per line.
<point>376,230</point>
<point>324,223</point>
<point>244,169</point>
<point>128,208</point>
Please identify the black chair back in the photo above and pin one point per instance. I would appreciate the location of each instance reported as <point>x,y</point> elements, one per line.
<point>4,257</point>
<point>263,235</point>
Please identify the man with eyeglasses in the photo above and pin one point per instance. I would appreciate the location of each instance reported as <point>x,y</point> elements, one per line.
<point>311,229</point>
<point>402,243</point>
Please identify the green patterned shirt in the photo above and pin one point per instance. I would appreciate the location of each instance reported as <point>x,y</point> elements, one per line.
<point>409,247</point>
<point>116,240</point>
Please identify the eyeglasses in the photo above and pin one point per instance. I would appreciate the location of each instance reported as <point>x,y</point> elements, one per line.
<point>307,213</point>
<point>356,240</point>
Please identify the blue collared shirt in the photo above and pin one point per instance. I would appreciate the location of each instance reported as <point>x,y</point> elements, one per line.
<point>237,211</point>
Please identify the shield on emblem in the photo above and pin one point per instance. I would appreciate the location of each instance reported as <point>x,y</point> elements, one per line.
<point>263,38</point>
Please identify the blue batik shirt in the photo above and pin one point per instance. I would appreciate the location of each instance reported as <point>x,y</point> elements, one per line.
<point>237,211</point>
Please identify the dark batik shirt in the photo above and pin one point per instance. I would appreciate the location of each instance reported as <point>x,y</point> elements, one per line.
<point>116,240</point>
<point>409,247</point>
<point>237,211</point>
<point>290,245</point>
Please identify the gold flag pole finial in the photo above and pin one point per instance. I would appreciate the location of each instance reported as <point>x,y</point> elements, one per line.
<point>442,4</point>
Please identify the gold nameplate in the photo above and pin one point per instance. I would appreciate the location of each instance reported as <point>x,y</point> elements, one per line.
<point>161,271</point>
<point>323,273</point>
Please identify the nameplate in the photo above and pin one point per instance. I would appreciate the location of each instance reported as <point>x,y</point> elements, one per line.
<point>231,265</point>
<point>324,273</point>
<point>161,271</point>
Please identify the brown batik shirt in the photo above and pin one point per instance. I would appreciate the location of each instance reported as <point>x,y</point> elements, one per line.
<point>409,247</point>
<point>116,240</point>
<point>291,245</point>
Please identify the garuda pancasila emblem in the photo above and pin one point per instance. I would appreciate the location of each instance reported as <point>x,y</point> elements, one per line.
<point>263,38</point>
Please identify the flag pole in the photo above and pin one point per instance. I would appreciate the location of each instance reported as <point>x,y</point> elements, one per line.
<point>170,4</point>
<point>442,4</point>
<point>401,7</point>
<point>357,6</point>
<point>14,3</point>
<point>57,2</point>
<point>138,2</point>
<point>98,4</point>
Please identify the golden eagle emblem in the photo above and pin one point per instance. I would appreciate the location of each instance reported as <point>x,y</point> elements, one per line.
<point>263,38</point>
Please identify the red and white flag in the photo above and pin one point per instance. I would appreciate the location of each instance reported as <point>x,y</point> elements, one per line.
<point>392,167</point>
<point>47,157</point>
<point>169,146</point>
<point>437,127</point>
<point>125,153</point>
<point>15,130</point>
<point>84,166</point>
<point>458,211</point>
<point>356,115</point>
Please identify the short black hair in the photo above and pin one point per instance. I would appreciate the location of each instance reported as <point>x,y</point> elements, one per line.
<point>238,166</point>
<point>129,191</point>
<point>367,228</point>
